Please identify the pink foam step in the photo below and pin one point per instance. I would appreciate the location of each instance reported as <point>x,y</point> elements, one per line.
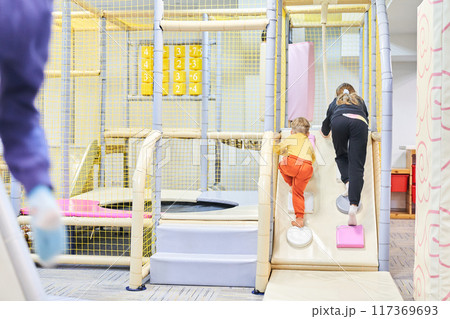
<point>350,236</point>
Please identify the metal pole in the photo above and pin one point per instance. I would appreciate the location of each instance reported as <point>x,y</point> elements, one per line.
<point>278,105</point>
<point>102,100</point>
<point>323,21</point>
<point>373,100</point>
<point>157,101</point>
<point>270,66</point>
<point>126,103</point>
<point>288,34</point>
<point>386,135</point>
<point>218,164</point>
<point>361,52</point>
<point>134,56</point>
<point>16,194</point>
<point>65,98</point>
<point>126,79</point>
<point>366,57</point>
<point>205,101</point>
<point>18,252</point>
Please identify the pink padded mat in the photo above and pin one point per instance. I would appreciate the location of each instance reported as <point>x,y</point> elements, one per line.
<point>301,81</point>
<point>350,236</point>
<point>88,208</point>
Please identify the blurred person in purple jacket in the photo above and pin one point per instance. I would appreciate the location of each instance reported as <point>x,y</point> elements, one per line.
<point>24,38</point>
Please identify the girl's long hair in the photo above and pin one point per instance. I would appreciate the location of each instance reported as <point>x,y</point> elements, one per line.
<point>346,94</point>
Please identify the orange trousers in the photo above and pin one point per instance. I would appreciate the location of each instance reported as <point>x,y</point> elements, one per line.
<point>297,173</point>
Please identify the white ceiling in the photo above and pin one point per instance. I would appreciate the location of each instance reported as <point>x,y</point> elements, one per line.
<point>402,16</point>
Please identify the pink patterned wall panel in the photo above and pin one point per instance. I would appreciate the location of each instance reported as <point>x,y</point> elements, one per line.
<point>432,246</point>
<point>444,207</point>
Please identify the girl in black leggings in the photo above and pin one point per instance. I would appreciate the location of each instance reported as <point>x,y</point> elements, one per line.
<point>347,117</point>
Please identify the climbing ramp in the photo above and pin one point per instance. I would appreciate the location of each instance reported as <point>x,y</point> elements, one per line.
<point>300,273</point>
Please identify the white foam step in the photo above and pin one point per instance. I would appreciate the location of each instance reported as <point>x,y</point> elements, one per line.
<point>309,203</point>
<point>203,269</point>
<point>206,239</point>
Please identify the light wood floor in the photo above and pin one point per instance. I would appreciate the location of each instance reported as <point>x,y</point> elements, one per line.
<point>100,283</point>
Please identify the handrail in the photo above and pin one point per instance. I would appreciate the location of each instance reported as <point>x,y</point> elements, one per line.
<point>264,212</point>
<point>143,168</point>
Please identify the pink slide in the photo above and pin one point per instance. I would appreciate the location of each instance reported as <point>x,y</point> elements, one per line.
<point>301,85</point>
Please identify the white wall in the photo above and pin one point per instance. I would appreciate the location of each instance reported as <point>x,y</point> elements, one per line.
<point>404,95</point>
<point>404,110</point>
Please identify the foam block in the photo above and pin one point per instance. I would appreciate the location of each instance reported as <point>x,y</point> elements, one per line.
<point>350,236</point>
<point>299,237</point>
<point>343,204</point>
<point>309,203</point>
<point>301,83</point>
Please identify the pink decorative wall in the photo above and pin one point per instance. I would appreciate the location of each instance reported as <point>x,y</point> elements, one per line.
<point>432,240</point>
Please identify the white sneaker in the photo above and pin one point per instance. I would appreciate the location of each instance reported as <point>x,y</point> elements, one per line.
<point>345,194</point>
<point>352,215</point>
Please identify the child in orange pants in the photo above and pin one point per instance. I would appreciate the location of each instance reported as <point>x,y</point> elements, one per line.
<point>296,165</point>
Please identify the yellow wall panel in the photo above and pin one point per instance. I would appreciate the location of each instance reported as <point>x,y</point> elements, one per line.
<point>147,88</point>
<point>179,76</point>
<point>179,63</point>
<point>179,51</point>
<point>195,88</point>
<point>195,64</point>
<point>195,51</point>
<point>179,88</point>
<point>195,77</point>
<point>147,52</point>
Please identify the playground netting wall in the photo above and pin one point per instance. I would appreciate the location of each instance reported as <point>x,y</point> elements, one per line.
<point>96,103</point>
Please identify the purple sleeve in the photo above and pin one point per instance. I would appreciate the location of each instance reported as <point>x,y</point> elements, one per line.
<point>24,36</point>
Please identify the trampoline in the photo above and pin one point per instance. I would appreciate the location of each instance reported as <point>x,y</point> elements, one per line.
<point>175,207</point>
<point>93,208</point>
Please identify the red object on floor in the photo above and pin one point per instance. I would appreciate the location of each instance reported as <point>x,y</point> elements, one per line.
<point>413,170</point>
<point>413,193</point>
<point>399,182</point>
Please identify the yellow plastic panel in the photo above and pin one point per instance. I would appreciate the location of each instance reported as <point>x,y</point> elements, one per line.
<point>166,52</point>
<point>147,52</point>
<point>147,88</point>
<point>195,51</point>
<point>179,76</point>
<point>195,77</point>
<point>179,88</point>
<point>147,77</point>
<point>166,77</point>
<point>195,88</point>
<point>147,64</point>
<point>165,64</point>
<point>179,64</point>
<point>165,89</point>
<point>179,51</point>
<point>195,64</point>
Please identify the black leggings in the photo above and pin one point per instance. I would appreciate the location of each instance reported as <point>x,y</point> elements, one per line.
<point>350,144</point>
